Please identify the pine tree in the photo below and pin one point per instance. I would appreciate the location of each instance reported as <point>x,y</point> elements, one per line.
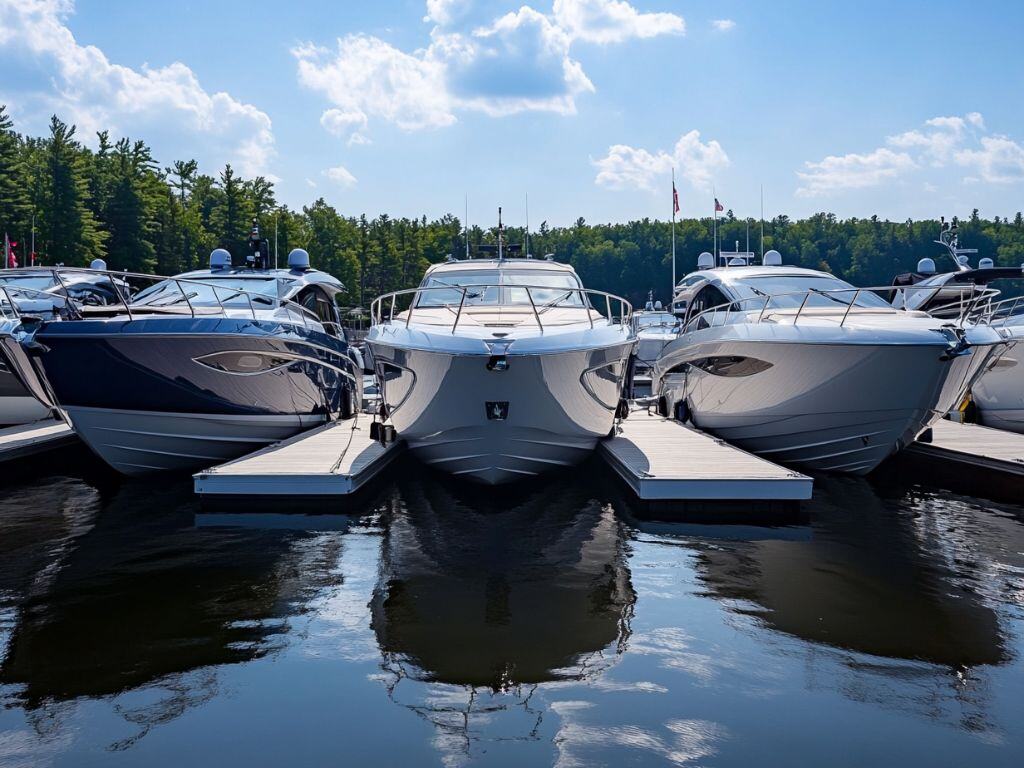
<point>15,207</point>
<point>70,230</point>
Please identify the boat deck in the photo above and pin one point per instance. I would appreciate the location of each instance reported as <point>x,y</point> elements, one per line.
<point>336,459</point>
<point>663,460</point>
<point>28,439</point>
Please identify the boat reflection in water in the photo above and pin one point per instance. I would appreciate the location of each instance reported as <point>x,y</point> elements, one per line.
<point>479,601</point>
<point>127,600</point>
<point>902,596</point>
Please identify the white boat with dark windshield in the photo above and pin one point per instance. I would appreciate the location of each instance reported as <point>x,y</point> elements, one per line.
<point>498,369</point>
<point>802,368</point>
<point>969,293</point>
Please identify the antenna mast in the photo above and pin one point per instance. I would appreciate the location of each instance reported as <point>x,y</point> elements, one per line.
<point>501,232</point>
<point>762,222</point>
<point>465,226</point>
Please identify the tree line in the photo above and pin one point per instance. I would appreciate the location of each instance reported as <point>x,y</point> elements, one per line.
<point>118,203</point>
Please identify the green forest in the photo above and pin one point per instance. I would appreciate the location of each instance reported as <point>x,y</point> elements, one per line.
<point>117,202</point>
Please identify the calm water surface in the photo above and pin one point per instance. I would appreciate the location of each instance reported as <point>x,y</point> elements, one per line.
<point>552,625</point>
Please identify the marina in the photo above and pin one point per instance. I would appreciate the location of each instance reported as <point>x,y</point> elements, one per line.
<point>23,440</point>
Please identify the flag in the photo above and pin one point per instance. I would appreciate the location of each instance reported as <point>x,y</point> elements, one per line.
<point>718,206</point>
<point>675,199</point>
<point>9,260</point>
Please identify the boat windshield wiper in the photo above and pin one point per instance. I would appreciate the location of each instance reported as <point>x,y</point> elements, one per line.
<point>457,287</point>
<point>560,297</point>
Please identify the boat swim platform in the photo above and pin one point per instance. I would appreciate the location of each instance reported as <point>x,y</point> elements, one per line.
<point>977,460</point>
<point>23,440</point>
<point>336,459</point>
<point>663,460</point>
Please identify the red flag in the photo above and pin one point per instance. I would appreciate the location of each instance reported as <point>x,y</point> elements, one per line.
<point>718,206</point>
<point>675,199</point>
<point>10,261</point>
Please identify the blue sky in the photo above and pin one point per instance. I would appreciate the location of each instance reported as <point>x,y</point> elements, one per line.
<point>906,109</point>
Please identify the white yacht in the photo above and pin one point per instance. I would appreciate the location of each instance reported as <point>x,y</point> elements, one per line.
<point>803,368</point>
<point>968,293</point>
<point>654,327</point>
<point>501,368</point>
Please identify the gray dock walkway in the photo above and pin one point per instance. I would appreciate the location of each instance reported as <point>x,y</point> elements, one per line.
<point>972,445</point>
<point>336,459</point>
<point>663,460</point>
<point>28,439</point>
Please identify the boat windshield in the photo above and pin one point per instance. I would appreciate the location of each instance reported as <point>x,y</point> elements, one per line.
<point>212,291</point>
<point>655,320</point>
<point>493,287</point>
<point>788,291</point>
<point>28,282</point>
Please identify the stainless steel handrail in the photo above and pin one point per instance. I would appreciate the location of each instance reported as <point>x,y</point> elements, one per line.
<point>977,297</point>
<point>378,314</point>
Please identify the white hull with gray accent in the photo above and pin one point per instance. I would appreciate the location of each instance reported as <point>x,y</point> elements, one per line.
<point>502,369</point>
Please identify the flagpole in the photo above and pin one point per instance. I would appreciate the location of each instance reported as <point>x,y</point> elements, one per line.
<point>33,240</point>
<point>762,222</point>
<point>527,225</point>
<point>466,225</point>
<point>714,244</point>
<point>672,293</point>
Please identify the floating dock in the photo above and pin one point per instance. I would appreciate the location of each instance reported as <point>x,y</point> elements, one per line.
<point>663,460</point>
<point>336,459</point>
<point>28,439</point>
<point>968,457</point>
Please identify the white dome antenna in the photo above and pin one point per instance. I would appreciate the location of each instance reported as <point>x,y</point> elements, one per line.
<point>99,265</point>
<point>926,266</point>
<point>772,259</point>
<point>298,259</point>
<point>705,261</point>
<point>220,258</point>
<point>986,264</point>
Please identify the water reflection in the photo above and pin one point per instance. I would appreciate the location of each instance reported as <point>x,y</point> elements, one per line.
<point>131,595</point>
<point>478,601</point>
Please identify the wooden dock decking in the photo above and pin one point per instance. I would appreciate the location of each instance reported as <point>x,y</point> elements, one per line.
<point>27,439</point>
<point>976,446</point>
<point>336,459</point>
<point>663,460</point>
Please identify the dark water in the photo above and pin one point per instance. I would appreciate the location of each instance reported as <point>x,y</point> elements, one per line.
<point>551,625</point>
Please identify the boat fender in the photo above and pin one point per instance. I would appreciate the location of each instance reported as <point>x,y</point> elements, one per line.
<point>682,412</point>
<point>622,409</point>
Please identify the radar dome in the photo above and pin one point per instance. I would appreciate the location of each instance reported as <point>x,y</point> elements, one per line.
<point>926,266</point>
<point>220,259</point>
<point>98,264</point>
<point>773,259</point>
<point>986,264</point>
<point>705,261</point>
<point>658,306</point>
<point>298,259</point>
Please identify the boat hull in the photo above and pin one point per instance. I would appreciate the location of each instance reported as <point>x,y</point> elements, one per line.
<point>183,394</point>
<point>546,411</point>
<point>827,407</point>
<point>999,393</point>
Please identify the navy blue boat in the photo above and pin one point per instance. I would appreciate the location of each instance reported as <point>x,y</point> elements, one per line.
<point>203,367</point>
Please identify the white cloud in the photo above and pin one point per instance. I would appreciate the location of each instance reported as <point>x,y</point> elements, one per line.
<point>943,141</point>
<point>514,63</point>
<point>340,175</point>
<point>96,93</point>
<point>1000,160</point>
<point>366,77</point>
<point>852,171</point>
<point>612,21</point>
<point>628,167</point>
<point>723,25</point>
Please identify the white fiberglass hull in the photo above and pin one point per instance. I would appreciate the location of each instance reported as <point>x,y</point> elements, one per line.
<point>999,393</point>
<point>546,411</point>
<point>828,407</point>
<point>140,442</point>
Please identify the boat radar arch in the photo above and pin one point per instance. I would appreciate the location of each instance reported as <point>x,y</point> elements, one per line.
<point>772,259</point>
<point>298,259</point>
<point>99,265</point>
<point>220,258</point>
<point>705,261</point>
<point>926,266</point>
<point>986,263</point>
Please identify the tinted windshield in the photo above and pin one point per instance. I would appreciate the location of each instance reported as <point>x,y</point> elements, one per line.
<point>789,291</point>
<point>213,291</point>
<point>30,283</point>
<point>655,320</point>
<point>501,287</point>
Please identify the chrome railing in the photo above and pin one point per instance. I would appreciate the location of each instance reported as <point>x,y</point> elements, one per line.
<point>134,309</point>
<point>379,313</point>
<point>971,298</point>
